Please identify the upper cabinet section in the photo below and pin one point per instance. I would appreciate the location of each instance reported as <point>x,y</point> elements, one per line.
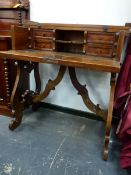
<point>93,40</point>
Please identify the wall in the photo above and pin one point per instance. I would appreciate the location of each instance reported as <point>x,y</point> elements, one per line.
<point>108,12</point>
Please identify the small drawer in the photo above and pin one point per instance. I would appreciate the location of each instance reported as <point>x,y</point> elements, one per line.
<point>6,23</point>
<point>100,37</point>
<point>43,33</point>
<point>100,50</point>
<point>43,44</point>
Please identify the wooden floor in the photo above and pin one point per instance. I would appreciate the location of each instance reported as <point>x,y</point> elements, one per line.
<point>55,143</point>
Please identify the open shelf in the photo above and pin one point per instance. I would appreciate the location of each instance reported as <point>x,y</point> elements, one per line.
<point>71,48</point>
<point>70,35</point>
<point>69,41</point>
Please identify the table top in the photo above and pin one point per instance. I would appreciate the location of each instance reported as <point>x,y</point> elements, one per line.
<point>62,58</point>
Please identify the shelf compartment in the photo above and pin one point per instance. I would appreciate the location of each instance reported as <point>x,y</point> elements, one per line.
<point>71,48</point>
<point>69,35</point>
<point>69,42</point>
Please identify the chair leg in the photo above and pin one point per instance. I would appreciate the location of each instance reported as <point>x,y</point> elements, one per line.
<point>109,116</point>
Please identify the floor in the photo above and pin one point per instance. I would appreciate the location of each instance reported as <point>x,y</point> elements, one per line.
<point>55,143</point>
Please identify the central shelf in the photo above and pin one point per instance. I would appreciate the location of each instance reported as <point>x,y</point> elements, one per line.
<point>70,35</point>
<point>69,42</point>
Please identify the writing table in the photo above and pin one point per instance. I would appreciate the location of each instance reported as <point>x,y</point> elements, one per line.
<point>70,46</point>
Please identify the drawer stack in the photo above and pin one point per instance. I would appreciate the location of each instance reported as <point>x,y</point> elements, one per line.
<point>95,43</point>
<point>101,43</point>
<point>43,39</point>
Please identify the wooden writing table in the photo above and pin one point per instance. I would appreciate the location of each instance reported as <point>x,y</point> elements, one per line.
<point>70,46</point>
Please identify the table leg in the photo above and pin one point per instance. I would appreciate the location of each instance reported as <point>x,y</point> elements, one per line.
<point>82,90</point>
<point>16,104</point>
<point>106,116</point>
<point>109,115</point>
<point>21,98</point>
<point>50,85</point>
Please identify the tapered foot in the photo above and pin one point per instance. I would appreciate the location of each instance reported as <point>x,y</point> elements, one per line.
<point>106,145</point>
<point>13,125</point>
<point>105,157</point>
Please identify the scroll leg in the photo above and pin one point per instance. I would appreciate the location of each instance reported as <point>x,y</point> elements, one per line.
<point>109,116</point>
<point>50,85</point>
<point>16,101</point>
<point>82,90</point>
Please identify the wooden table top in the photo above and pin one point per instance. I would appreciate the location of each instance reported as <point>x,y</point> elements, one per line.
<point>62,58</point>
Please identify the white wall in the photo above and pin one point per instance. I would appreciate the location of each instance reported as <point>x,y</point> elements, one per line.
<point>110,12</point>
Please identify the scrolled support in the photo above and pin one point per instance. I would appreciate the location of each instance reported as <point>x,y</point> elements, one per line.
<point>20,99</point>
<point>50,85</point>
<point>85,96</point>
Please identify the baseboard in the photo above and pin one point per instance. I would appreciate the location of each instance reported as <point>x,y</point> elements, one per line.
<point>70,111</point>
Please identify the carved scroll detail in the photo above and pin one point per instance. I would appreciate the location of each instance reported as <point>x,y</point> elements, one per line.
<point>50,85</point>
<point>85,96</point>
<point>21,99</point>
<point>22,67</point>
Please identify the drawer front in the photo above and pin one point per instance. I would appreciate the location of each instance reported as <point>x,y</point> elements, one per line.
<point>43,33</point>
<point>43,44</point>
<point>100,50</point>
<point>100,37</point>
<point>6,23</point>
<point>8,14</point>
